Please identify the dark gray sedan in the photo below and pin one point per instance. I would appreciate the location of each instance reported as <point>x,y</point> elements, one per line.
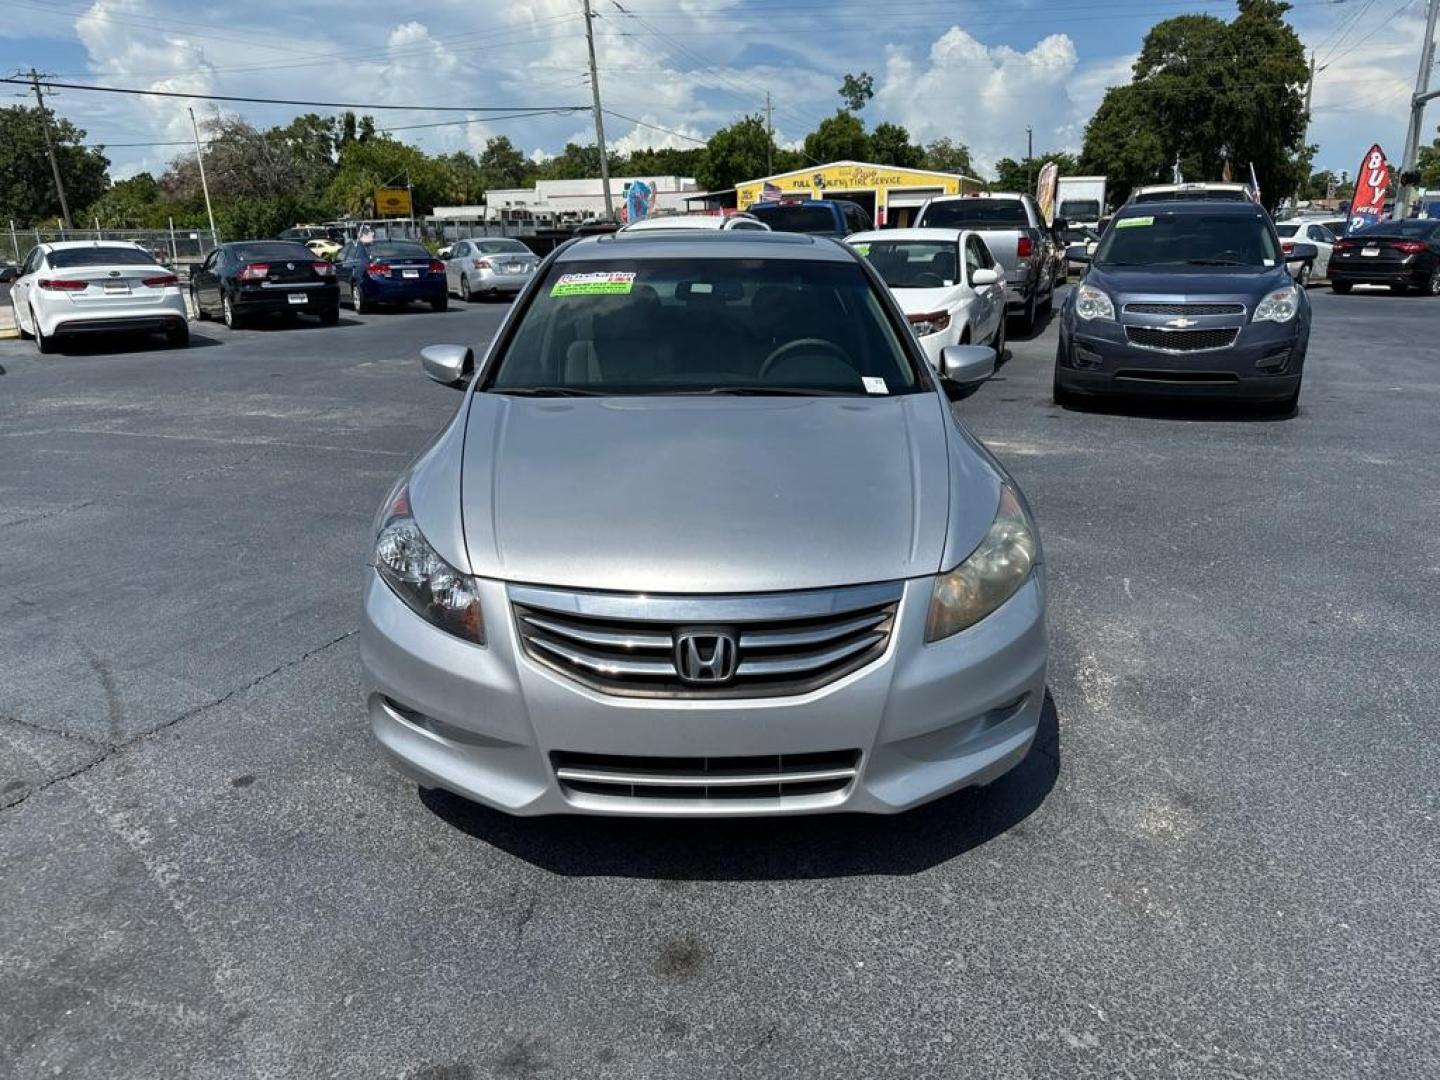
<point>1189,299</point>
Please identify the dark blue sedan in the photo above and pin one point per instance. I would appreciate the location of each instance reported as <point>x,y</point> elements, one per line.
<point>391,272</point>
<point>1186,299</point>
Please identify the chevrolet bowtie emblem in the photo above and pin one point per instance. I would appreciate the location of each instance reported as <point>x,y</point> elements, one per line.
<point>1181,324</point>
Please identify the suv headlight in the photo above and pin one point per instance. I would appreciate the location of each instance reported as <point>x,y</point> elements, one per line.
<point>930,323</point>
<point>1092,303</point>
<point>991,575</point>
<point>430,587</point>
<point>1280,306</point>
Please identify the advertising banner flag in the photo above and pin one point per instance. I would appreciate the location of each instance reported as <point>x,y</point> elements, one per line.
<point>638,197</point>
<point>1367,205</point>
<point>1045,188</point>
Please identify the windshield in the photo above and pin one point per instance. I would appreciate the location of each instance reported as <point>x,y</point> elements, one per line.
<point>657,326</point>
<point>497,247</point>
<point>272,250</point>
<point>975,214</point>
<point>1194,195</point>
<point>1196,238</point>
<point>801,219</point>
<point>912,264</point>
<point>397,249</point>
<point>1080,210</point>
<point>1415,230</point>
<point>68,258</point>
<point>1287,231</point>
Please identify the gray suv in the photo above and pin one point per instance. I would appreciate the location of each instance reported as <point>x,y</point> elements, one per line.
<point>705,537</point>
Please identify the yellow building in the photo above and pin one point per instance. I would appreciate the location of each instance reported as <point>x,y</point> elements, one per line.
<point>889,194</point>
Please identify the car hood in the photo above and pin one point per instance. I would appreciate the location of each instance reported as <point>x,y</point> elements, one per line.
<point>1182,283</point>
<point>709,495</point>
<point>919,301</point>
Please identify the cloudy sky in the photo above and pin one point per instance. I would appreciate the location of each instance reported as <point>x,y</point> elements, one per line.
<point>977,71</point>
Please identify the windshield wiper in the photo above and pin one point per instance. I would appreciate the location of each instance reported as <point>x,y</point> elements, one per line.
<point>1215,262</point>
<point>765,391</point>
<point>548,391</point>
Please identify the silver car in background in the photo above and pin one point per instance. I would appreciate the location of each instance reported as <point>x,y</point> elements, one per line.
<point>489,266</point>
<point>705,537</point>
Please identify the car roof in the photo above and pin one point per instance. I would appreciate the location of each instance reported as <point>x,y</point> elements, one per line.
<point>873,235</point>
<point>1188,206</point>
<point>978,195</point>
<point>69,245</point>
<point>677,221</point>
<point>697,244</point>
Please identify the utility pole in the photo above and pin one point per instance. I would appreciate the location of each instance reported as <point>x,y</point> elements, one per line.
<point>204,185</point>
<point>50,147</point>
<point>1406,196</point>
<point>1029,156</point>
<point>770,136</point>
<point>1305,139</point>
<point>599,121</point>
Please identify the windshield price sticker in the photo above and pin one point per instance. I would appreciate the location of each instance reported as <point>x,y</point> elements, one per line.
<point>1134,222</point>
<point>601,283</point>
<point>863,249</point>
<point>874,384</point>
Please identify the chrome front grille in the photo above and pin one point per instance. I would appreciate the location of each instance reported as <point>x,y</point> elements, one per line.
<point>694,780</point>
<point>1145,308</point>
<point>777,643</point>
<point>1157,337</point>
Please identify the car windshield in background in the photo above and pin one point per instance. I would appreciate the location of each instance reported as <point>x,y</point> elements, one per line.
<point>1195,238</point>
<point>1210,195</point>
<point>912,264</point>
<point>397,249</point>
<point>501,247</point>
<point>705,326</point>
<point>1287,231</point>
<point>1418,229</point>
<point>273,249</point>
<point>801,219</point>
<point>1079,236</point>
<point>1080,210</point>
<point>69,258</point>
<point>975,214</point>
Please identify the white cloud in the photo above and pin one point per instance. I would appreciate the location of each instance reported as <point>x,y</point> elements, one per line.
<point>641,137</point>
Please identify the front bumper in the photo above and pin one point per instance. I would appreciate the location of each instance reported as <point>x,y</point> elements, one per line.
<point>1265,363</point>
<point>483,722</point>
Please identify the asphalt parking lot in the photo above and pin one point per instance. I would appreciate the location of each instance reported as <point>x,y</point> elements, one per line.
<point>1222,860</point>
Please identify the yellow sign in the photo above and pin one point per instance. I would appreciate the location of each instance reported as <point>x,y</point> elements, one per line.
<point>843,177</point>
<point>392,202</point>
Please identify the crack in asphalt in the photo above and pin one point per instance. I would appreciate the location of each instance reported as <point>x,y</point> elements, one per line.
<point>47,514</point>
<point>112,749</point>
<point>45,730</point>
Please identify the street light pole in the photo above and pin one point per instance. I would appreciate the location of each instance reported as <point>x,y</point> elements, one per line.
<point>1029,156</point>
<point>599,121</point>
<point>1405,199</point>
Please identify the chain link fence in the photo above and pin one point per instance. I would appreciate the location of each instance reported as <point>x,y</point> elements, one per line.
<point>171,247</point>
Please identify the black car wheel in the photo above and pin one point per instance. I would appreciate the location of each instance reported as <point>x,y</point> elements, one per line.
<point>1065,398</point>
<point>441,303</point>
<point>330,316</point>
<point>1432,287</point>
<point>228,315</point>
<point>43,343</point>
<point>1028,316</point>
<point>357,301</point>
<point>200,312</point>
<point>1000,344</point>
<point>1302,277</point>
<point>25,335</point>
<point>1341,287</point>
<point>178,337</point>
<point>465,288</point>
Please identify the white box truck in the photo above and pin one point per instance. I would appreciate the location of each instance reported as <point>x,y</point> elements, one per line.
<point>1080,200</point>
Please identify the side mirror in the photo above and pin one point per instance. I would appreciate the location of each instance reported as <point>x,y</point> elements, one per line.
<point>1301,252</point>
<point>964,369</point>
<point>1078,253</point>
<point>983,276</point>
<point>448,364</point>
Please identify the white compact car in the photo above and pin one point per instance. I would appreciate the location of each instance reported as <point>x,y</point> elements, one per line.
<point>78,287</point>
<point>713,222</point>
<point>1308,232</point>
<point>945,280</point>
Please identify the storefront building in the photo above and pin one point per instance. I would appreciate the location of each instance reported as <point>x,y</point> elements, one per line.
<point>890,195</point>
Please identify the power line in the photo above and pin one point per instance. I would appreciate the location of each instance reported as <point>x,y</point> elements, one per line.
<point>289,101</point>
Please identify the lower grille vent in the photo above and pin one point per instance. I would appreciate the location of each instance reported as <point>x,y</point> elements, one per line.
<point>706,779</point>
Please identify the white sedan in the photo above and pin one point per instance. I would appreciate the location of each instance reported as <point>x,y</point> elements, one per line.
<point>488,266</point>
<point>945,280</point>
<point>78,287</point>
<point>1298,230</point>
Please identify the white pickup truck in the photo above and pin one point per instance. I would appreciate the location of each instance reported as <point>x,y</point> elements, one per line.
<point>1017,238</point>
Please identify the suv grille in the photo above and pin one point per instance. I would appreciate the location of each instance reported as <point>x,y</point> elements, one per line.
<point>1185,309</point>
<point>700,779</point>
<point>1154,337</point>
<point>780,643</point>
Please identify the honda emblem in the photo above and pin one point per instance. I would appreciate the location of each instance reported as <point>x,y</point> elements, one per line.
<point>706,656</point>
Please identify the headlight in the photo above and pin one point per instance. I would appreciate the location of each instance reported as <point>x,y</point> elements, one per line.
<point>991,575</point>
<point>431,587</point>
<point>1279,306</point>
<point>932,323</point>
<point>1091,303</point>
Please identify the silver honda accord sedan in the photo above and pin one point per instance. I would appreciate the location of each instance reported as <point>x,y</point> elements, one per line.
<point>705,538</point>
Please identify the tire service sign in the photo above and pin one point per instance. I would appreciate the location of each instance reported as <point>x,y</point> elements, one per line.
<point>1367,205</point>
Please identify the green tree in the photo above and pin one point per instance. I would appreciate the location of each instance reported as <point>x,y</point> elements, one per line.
<point>1212,94</point>
<point>576,162</point>
<point>942,155</point>
<point>502,165</point>
<point>838,138</point>
<point>857,90</point>
<point>128,204</point>
<point>27,188</point>
<point>742,151</point>
<point>379,161</point>
<point>1012,175</point>
<point>890,145</point>
<point>664,161</point>
<point>1428,162</point>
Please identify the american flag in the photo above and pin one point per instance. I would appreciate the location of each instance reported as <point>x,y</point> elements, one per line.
<point>770,192</point>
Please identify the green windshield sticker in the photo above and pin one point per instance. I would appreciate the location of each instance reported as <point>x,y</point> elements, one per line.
<point>1134,222</point>
<point>601,283</point>
<point>863,249</point>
